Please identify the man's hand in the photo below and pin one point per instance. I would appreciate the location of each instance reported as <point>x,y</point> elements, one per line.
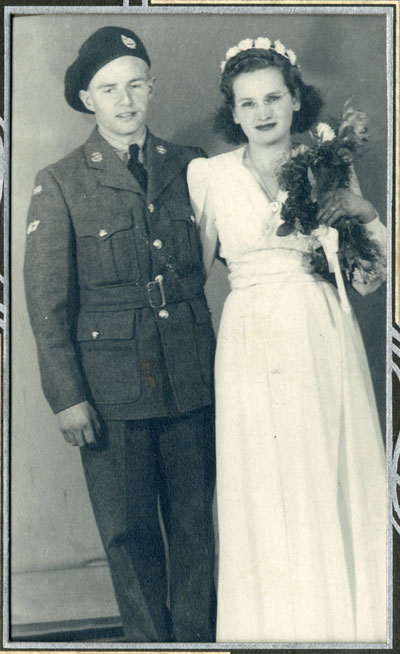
<point>79,424</point>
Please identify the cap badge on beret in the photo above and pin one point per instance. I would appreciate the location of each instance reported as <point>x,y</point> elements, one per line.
<point>130,43</point>
<point>160,149</point>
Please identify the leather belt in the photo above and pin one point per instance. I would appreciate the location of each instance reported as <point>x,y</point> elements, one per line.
<point>155,294</point>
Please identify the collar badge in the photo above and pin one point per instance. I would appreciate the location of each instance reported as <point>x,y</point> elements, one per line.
<point>160,149</point>
<point>130,43</point>
<point>96,157</point>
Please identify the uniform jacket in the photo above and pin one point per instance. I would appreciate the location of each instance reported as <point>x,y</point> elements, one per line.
<point>94,242</point>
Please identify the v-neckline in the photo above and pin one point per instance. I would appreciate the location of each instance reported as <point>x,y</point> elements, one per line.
<point>256,183</point>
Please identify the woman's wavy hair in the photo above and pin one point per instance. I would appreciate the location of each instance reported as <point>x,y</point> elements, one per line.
<point>253,59</point>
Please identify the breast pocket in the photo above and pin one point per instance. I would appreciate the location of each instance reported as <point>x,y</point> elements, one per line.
<point>109,355</point>
<point>107,252</point>
<point>185,233</point>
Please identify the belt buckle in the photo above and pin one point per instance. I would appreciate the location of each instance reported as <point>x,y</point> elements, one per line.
<point>149,287</point>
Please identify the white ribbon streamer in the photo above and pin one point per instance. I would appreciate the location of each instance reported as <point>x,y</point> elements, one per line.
<point>329,239</point>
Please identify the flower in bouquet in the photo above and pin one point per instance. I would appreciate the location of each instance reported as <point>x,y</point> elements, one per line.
<point>312,173</point>
<point>353,128</point>
<point>325,132</point>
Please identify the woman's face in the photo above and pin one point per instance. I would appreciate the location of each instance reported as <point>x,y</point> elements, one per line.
<point>263,106</point>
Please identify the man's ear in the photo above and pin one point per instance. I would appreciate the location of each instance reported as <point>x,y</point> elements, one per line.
<point>86,100</point>
<point>151,82</point>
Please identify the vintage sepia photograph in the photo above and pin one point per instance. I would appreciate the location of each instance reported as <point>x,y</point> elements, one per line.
<point>200,222</point>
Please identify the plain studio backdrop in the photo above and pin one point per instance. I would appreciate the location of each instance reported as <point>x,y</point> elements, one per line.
<point>57,557</point>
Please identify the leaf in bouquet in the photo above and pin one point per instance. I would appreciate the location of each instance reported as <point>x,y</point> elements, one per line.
<point>356,246</point>
<point>313,184</point>
<point>327,178</point>
<point>320,264</point>
<point>347,104</point>
<point>307,229</point>
<point>345,155</point>
<point>288,211</point>
<point>354,128</point>
<point>345,132</point>
<point>349,258</point>
<point>285,229</point>
<point>347,118</point>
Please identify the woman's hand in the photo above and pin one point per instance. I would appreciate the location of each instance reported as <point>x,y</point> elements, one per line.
<point>343,202</point>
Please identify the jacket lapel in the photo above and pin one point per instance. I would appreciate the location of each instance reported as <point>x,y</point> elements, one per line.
<point>163,164</point>
<point>111,171</point>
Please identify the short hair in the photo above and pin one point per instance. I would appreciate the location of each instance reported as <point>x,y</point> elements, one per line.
<point>253,59</point>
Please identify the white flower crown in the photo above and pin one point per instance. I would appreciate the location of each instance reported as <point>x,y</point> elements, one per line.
<point>263,43</point>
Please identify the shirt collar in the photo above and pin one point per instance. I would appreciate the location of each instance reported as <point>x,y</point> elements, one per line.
<point>116,143</point>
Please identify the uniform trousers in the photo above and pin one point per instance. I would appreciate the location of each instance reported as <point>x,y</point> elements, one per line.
<point>142,469</point>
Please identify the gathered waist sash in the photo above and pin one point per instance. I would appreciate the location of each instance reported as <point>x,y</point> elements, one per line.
<point>266,266</point>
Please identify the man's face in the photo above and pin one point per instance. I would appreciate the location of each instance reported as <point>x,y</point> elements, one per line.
<point>119,95</point>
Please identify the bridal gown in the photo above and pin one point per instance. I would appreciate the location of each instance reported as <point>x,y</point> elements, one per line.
<point>300,459</point>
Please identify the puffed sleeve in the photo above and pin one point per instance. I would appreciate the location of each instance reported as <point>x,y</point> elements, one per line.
<point>367,282</point>
<point>200,191</point>
<point>51,294</point>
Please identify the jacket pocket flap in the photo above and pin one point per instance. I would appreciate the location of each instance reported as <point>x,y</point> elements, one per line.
<point>103,229</point>
<point>179,208</point>
<point>200,310</point>
<point>100,326</point>
<point>184,215</point>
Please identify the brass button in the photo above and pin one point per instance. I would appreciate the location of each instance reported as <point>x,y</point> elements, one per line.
<point>163,313</point>
<point>193,219</point>
<point>103,232</point>
<point>158,244</point>
<point>159,278</point>
<point>95,335</point>
<point>151,208</point>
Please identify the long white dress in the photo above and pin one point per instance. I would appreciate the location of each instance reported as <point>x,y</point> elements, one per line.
<point>300,459</point>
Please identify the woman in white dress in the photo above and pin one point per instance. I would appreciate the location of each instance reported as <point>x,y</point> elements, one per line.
<point>301,467</point>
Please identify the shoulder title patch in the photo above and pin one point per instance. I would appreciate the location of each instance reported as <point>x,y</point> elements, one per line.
<point>32,227</point>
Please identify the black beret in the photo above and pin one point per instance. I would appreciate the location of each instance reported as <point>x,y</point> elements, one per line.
<point>105,45</point>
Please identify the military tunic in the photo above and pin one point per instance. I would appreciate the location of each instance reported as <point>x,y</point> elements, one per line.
<point>114,284</point>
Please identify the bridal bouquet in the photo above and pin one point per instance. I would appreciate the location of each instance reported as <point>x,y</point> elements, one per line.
<point>312,173</point>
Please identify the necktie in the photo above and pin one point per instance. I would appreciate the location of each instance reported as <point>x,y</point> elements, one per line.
<point>135,167</point>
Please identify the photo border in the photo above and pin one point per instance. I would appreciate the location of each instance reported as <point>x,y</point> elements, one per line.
<point>156,7</point>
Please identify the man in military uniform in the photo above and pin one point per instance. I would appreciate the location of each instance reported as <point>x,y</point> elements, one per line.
<point>114,284</point>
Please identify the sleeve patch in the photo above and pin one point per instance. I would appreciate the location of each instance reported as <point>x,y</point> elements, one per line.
<point>32,227</point>
<point>37,189</point>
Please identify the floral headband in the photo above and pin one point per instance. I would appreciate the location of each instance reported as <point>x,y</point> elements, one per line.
<point>262,43</point>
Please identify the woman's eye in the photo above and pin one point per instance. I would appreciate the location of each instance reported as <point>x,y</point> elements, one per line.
<point>248,104</point>
<point>272,98</point>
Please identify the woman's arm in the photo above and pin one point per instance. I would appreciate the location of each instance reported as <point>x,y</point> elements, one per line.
<point>201,200</point>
